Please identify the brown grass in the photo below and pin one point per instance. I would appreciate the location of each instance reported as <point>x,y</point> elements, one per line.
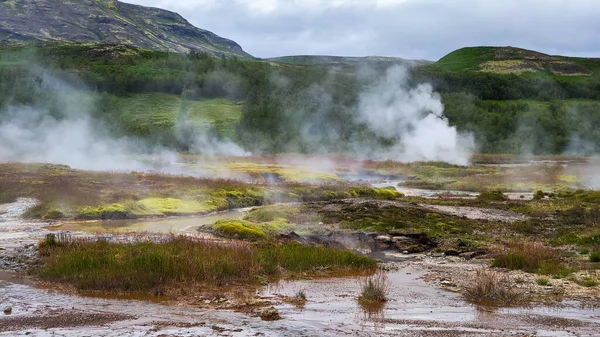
<point>493,288</point>
<point>531,257</point>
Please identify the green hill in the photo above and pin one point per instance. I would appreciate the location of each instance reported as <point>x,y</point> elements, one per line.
<point>511,60</point>
<point>107,21</point>
<point>324,60</point>
<point>273,107</point>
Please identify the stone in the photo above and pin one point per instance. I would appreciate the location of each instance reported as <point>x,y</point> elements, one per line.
<point>472,255</point>
<point>7,310</point>
<point>270,314</point>
<point>383,238</point>
<point>411,245</point>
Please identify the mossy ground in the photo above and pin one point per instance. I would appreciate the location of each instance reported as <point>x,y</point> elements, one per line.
<point>68,193</point>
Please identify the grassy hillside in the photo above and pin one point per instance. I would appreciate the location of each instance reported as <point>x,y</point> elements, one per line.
<point>324,60</point>
<point>510,60</point>
<point>149,113</point>
<point>102,21</point>
<point>274,107</point>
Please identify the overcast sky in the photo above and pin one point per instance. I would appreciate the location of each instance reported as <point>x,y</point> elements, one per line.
<point>413,29</point>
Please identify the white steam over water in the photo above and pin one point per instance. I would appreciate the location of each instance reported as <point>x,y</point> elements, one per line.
<point>413,117</point>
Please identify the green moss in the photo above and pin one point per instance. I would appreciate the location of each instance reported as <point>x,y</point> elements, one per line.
<point>128,210</point>
<point>238,229</point>
<point>114,211</point>
<point>375,193</point>
<point>171,206</point>
<point>271,213</point>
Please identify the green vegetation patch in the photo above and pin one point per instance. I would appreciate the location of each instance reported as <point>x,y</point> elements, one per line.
<point>239,229</point>
<point>128,210</point>
<point>147,266</point>
<point>297,258</point>
<point>172,206</point>
<point>375,193</point>
<point>372,216</point>
<point>284,173</point>
<point>531,257</point>
<point>154,113</point>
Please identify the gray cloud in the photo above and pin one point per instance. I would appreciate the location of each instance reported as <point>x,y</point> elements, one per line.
<point>415,29</point>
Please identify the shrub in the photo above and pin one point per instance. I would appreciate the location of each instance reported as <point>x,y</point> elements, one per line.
<point>542,281</point>
<point>301,295</point>
<point>375,288</point>
<point>595,256</point>
<point>54,214</point>
<point>538,195</point>
<point>495,195</point>
<point>494,289</point>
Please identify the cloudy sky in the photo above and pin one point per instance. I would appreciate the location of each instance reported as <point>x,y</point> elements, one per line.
<point>414,29</point>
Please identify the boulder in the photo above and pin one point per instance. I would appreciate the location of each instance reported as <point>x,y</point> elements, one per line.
<point>270,314</point>
<point>7,310</point>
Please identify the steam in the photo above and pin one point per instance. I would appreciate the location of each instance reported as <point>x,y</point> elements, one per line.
<point>60,129</point>
<point>413,119</point>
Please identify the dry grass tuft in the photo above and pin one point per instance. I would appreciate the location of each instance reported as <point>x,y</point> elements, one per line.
<point>375,288</point>
<point>492,288</point>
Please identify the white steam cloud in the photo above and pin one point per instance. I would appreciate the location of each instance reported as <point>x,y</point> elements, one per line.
<point>413,118</point>
<point>32,135</point>
<point>63,132</point>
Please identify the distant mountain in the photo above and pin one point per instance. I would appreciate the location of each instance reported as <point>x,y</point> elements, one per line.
<point>511,60</point>
<point>324,60</point>
<point>102,21</point>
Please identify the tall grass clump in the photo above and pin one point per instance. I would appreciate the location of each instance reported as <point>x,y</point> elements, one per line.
<point>145,265</point>
<point>531,257</point>
<point>595,256</point>
<point>492,288</point>
<point>296,258</point>
<point>374,288</point>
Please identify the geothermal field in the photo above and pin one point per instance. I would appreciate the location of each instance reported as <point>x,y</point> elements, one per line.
<point>299,245</point>
<point>156,179</point>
